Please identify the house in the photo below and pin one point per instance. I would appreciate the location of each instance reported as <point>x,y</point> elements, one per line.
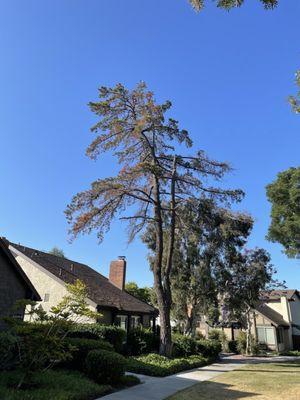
<point>50,273</point>
<point>275,321</point>
<point>14,285</point>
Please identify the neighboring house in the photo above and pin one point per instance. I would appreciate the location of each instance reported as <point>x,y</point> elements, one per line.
<point>50,273</point>
<point>275,321</point>
<point>14,285</point>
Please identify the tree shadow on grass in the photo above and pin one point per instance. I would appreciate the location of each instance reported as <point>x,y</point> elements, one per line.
<point>209,390</point>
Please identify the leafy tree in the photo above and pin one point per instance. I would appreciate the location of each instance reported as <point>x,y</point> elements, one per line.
<point>56,251</point>
<point>249,273</point>
<point>41,345</point>
<point>229,4</point>
<point>142,293</point>
<point>207,234</point>
<point>295,100</point>
<point>153,180</point>
<point>284,195</point>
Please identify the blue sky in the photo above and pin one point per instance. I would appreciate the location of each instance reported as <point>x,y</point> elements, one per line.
<point>227,74</point>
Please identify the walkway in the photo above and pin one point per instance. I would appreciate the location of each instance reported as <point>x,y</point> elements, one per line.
<point>154,388</point>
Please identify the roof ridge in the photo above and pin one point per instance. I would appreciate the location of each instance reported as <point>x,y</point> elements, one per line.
<point>57,257</point>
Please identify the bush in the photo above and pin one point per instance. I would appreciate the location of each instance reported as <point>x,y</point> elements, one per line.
<point>220,336</point>
<point>209,348</point>
<point>110,333</point>
<point>105,366</point>
<point>141,341</point>
<point>183,346</point>
<point>79,349</point>
<point>242,343</point>
<point>129,380</point>
<point>8,350</point>
<point>156,365</point>
<point>60,385</point>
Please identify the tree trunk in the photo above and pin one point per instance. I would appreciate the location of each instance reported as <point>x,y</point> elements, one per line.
<point>162,287</point>
<point>248,334</point>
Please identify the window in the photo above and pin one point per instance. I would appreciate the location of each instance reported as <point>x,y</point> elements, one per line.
<point>135,320</point>
<point>121,321</point>
<point>46,297</point>
<point>266,335</point>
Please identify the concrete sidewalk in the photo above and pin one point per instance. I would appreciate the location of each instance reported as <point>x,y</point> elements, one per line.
<point>153,388</point>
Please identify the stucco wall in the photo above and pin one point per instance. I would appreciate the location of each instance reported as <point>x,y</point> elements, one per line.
<point>46,283</point>
<point>11,289</point>
<point>275,305</point>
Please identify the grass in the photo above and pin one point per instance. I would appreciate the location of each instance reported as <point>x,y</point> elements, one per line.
<point>58,385</point>
<point>274,381</point>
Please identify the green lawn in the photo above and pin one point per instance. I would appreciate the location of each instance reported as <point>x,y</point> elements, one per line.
<point>276,381</point>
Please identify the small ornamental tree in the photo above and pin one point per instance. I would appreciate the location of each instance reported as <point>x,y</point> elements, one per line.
<point>41,344</point>
<point>153,180</point>
<point>284,195</point>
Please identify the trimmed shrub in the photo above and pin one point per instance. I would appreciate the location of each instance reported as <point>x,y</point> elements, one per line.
<point>110,333</point>
<point>79,349</point>
<point>183,346</point>
<point>129,380</point>
<point>141,341</point>
<point>209,348</point>
<point>156,365</point>
<point>105,366</point>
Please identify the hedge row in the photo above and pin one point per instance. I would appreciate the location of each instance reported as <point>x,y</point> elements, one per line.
<point>156,365</point>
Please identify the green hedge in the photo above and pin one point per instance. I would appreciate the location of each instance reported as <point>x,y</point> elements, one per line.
<point>183,346</point>
<point>79,349</point>
<point>110,333</point>
<point>141,341</point>
<point>156,365</point>
<point>105,366</point>
<point>209,348</point>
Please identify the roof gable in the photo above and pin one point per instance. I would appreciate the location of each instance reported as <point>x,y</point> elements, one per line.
<point>273,316</point>
<point>100,289</point>
<point>275,295</point>
<point>32,293</point>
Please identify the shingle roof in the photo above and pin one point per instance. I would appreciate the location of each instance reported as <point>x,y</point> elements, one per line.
<point>272,315</point>
<point>276,294</point>
<point>100,290</point>
<point>32,294</point>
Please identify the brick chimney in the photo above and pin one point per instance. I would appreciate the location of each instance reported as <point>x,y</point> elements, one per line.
<point>117,272</point>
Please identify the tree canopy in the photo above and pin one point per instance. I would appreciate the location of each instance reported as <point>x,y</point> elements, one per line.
<point>56,251</point>
<point>284,195</point>
<point>142,293</point>
<point>295,100</point>
<point>156,176</point>
<point>228,4</point>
